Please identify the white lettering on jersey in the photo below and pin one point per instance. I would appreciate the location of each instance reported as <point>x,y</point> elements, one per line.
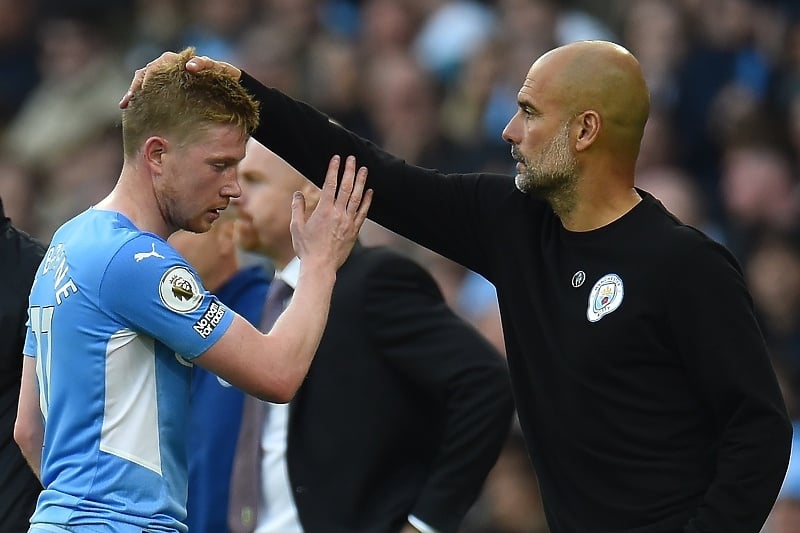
<point>210,320</point>
<point>56,258</point>
<point>65,290</point>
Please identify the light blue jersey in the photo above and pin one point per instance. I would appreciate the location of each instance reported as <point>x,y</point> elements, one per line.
<point>110,308</point>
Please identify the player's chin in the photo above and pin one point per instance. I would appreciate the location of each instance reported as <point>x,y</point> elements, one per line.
<point>203,224</point>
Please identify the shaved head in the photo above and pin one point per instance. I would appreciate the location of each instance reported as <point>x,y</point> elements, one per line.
<point>600,76</point>
<point>577,132</point>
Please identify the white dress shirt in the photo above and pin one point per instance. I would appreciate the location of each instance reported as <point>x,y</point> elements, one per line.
<point>277,512</point>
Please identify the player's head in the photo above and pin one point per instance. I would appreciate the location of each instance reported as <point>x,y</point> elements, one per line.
<point>183,135</point>
<point>182,106</point>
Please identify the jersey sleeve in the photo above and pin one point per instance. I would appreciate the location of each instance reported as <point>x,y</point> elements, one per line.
<point>151,289</point>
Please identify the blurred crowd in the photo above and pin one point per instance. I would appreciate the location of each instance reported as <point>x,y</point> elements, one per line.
<point>435,81</point>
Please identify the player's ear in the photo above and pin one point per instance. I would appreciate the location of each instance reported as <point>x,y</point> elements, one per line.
<point>153,153</point>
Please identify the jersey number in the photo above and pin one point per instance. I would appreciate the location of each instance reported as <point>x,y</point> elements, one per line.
<point>41,325</point>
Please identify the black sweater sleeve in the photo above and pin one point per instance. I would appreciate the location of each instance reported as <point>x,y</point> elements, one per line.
<point>456,215</point>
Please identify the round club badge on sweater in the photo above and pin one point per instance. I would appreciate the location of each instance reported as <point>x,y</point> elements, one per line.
<point>605,297</point>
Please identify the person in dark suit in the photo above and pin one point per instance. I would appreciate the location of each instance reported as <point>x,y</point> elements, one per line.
<point>403,412</point>
<point>20,255</point>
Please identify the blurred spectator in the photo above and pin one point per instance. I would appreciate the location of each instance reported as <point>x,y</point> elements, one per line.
<point>773,274</point>
<point>654,30</point>
<point>272,54</point>
<point>792,116</point>
<point>17,55</point>
<point>681,196</point>
<point>387,27</point>
<point>156,26</point>
<point>75,102</point>
<point>215,25</point>
<point>298,17</point>
<point>450,34</point>
<point>758,191</point>
<point>724,53</point>
<point>333,81</point>
<point>402,103</point>
<point>659,143</point>
<point>80,180</point>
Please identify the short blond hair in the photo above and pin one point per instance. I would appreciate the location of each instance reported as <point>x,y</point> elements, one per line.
<point>180,104</point>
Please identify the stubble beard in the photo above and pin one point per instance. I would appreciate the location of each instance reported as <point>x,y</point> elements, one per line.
<point>553,176</point>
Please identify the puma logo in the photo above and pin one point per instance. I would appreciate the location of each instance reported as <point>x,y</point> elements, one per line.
<point>144,255</point>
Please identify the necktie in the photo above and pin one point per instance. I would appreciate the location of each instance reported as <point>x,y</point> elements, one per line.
<point>246,475</point>
<point>277,297</point>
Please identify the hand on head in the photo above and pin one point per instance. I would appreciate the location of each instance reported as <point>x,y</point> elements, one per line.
<point>329,233</point>
<point>196,64</point>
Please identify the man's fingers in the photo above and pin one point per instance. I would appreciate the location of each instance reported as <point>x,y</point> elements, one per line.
<point>331,179</point>
<point>350,198</point>
<point>346,185</point>
<point>200,63</point>
<point>363,209</point>
<point>194,65</point>
<point>138,78</point>
<point>357,191</point>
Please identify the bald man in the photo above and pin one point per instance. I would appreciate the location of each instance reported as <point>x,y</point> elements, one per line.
<point>642,382</point>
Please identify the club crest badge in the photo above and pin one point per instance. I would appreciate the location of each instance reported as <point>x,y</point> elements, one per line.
<point>605,297</point>
<point>179,290</point>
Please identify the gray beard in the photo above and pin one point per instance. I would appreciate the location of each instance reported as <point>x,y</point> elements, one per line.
<point>557,187</point>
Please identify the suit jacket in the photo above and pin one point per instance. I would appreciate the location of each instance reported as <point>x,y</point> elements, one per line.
<point>404,410</point>
<point>20,255</point>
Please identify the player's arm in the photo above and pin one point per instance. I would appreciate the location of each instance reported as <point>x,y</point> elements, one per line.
<point>272,366</point>
<point>29,428</point>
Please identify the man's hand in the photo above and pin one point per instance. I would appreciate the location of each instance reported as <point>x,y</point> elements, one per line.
<point>330,232</point>
<point>196,64</point>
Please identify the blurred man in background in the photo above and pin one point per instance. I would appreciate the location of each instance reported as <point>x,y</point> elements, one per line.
<point>215,409</point>
<point>403,412</point>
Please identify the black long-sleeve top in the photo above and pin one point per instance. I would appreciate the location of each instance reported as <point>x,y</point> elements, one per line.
<point>20,255</point>
<point>642,382</point>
